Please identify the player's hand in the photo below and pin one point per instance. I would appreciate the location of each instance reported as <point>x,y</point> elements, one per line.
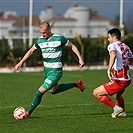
<point>81,63</point>
<point>110,75</point>
<point>18,66</point>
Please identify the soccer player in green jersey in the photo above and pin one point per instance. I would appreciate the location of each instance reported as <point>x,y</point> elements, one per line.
<point>51,47</point>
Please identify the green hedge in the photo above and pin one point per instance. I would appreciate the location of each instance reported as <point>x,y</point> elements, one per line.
<point>95,52</point>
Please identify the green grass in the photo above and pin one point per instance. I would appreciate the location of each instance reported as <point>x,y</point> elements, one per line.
<point>68,112</point>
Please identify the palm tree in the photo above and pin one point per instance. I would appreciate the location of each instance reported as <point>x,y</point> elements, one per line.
<point>78,37</point>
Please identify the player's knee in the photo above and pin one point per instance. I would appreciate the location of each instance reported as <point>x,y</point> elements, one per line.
<point>94,92</point>
<point>52,92</point>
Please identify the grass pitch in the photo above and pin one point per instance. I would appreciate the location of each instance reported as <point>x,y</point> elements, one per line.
<point>68,112</point>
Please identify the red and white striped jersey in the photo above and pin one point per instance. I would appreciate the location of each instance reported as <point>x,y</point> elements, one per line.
<point>121,64</point>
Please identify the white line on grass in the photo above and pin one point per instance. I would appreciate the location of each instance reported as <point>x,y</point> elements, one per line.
<point>69,105</point>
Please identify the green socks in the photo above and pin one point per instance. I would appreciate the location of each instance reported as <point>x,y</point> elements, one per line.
<point>64,87</point>
<point>36,101</point>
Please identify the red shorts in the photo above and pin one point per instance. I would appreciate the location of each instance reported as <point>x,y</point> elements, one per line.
<point>116,86</point>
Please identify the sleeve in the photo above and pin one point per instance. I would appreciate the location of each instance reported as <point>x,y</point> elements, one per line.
<point>111,47</point>
<point>64,41</point>
<point>36,46</point>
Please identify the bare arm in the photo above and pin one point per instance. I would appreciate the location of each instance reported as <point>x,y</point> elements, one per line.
<point>111,63</point>
<point>76,51</point>
<point>26,56</point>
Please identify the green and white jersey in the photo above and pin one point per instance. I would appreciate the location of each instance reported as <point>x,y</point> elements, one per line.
<point>51,50</point>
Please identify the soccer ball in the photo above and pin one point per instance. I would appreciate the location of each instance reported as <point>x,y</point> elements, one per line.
<point>19,113</point>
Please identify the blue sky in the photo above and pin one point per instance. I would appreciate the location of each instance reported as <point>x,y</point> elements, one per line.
<point>108,8</point>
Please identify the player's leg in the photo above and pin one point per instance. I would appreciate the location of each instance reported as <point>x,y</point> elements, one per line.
<point>64,87</point>
<point>119,99</point>
<point>102,95</point>
<point>120,102</point>
<point>36,101</point>
<point>47,85</point>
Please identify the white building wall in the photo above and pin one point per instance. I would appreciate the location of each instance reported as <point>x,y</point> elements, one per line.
<point>45,15</point>
<point>5,27</point>
<point>81,14</point>
<point>76,20</point>
<point>99,28</point>
<point>65,28</point>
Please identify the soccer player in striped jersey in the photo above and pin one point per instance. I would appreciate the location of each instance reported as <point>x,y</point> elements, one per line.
<point>118,73</point>
<point>51,47</point>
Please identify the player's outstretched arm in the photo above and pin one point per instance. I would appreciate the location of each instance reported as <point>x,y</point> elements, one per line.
<point>26,56</point>
<point>76,51</point>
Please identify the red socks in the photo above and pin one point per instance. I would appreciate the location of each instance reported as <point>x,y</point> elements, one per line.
<point>120,103</point>
<point>107,101</point>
